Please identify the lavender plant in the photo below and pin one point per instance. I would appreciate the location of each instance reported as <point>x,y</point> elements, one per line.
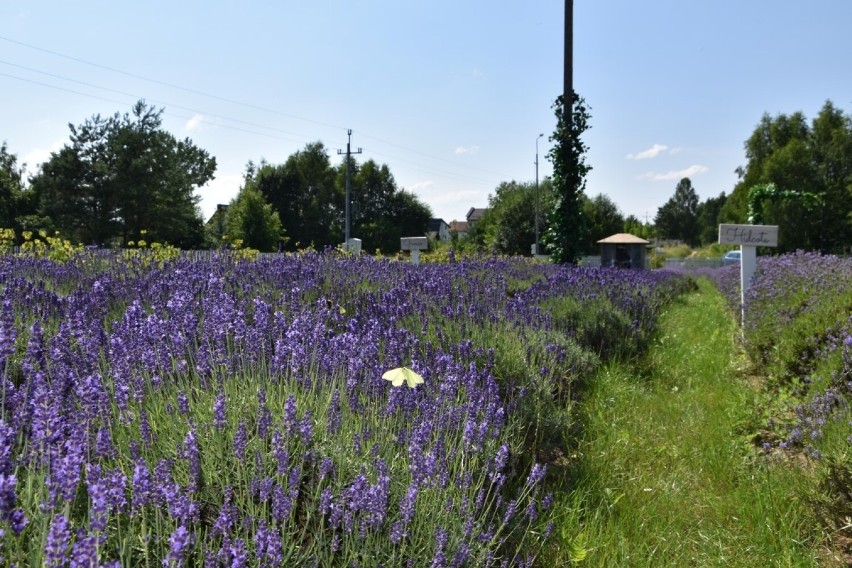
<point>221,411</point>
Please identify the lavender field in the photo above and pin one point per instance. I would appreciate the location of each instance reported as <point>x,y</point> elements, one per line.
<point>232,412</point>
<point>798,335</point>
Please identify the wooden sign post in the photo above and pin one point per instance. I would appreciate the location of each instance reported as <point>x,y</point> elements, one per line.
<point>749,237</point>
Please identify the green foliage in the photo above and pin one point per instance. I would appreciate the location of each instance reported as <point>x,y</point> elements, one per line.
<point>11,188</point>
<point>709,219</point>
<point>665,473</point>
<point>508,226</point>
<point>383,213</point>
<point>304,194</point>
<point>567,231</point>
<point>678,217</point>
<point>44,246</point>
<point>797,156</point>
<point>307,192</point>
<point>252,220</point>
<point>603,219</point>
<point>764,191</point>
<point>121,175</point>
<point>636,227</point>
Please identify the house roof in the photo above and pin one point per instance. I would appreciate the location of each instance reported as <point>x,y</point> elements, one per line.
<point>475,214</point>
<point>459,226</point>
<point>436,224</point>
<point>623,239</point>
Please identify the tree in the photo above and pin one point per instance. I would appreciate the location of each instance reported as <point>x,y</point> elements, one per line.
<point>123,175</point>
<point>566,232</point>
<point>382,213</point>
<point>11,188</point>
<point>252,220</point>
<point>303,193</point>
<point>678,217</point>
<point>708,218</point>
<point>602,220</point>
<point>797,157</point>
<point>634,226</point>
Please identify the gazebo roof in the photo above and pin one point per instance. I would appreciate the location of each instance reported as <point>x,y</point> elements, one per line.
<point>623,239</point>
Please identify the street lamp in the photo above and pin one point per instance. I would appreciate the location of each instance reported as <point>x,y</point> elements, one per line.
<point>537,251</point>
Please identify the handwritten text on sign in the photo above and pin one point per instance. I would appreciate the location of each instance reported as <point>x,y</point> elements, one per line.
<point>749,235</point>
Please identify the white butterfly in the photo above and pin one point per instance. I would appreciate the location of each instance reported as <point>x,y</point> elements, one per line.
<point>403,375</point>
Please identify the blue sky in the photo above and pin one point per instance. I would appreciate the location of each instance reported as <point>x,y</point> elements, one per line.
<point>450,94</point>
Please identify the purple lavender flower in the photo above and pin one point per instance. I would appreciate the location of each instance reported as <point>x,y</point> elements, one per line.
<point>306,429</point>
<point>84,552</point>
<point>183,403</point>
<point>58,541</point>
<point>145,429</point>
<point>192,455</point>
<point>333,423</point>
<point>536,475</point>
<point>18,521</point>
<point>282,504</point>
<point>282,456</point>
<point>8,495</point>
<point>141,486</point>
<point>219,417</point>
<point>268,545</point>
<point>290,421</point>
<point>264,417</point>
<point>104,445</point>
<point>180,543</point>
<point>240,441</point>
<point>227,518</point>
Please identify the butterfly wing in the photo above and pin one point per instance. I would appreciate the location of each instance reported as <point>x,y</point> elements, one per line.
<point>395,376</point>
<point>403,375</point>
<point>412,378</point>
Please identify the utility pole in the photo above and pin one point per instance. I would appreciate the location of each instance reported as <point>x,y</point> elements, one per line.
<point>348,188</point>
<point>568,86</point>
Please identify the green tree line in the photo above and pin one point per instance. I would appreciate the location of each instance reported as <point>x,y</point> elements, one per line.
<point>121,175</point>
<point>124,176</point>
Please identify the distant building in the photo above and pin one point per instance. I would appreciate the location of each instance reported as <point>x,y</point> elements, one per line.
<point>623,250</point>
<point>460,228</point>
<point>474,216</point>
<point>438,229</point>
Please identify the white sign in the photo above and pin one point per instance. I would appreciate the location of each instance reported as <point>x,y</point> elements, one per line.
<point>414,243</point>
<point>749,235</point>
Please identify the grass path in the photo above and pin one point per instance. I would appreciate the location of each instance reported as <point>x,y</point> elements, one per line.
<point>667,474</point>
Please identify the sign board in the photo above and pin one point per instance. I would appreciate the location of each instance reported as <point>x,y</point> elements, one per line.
<point>354,246</point>
<point>414,243</point>
<point>749,235</point>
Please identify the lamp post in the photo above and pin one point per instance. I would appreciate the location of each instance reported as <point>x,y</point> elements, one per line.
<point>537,251</point>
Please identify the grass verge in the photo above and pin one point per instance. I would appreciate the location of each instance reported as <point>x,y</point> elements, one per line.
<point>666,473</point>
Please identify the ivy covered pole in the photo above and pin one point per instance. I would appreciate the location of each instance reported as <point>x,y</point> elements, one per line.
<point>567,229</point>
<point>568,76</point>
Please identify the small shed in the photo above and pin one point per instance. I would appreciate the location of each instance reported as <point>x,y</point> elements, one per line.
<point>623,250</point>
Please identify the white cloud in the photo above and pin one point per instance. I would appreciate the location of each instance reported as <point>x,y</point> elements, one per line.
<point>195,122</point>
<point>674,174</point>
<point>651,152</point>
<point>461,150</point>
<point>37,156</point>
<point>220,190</point>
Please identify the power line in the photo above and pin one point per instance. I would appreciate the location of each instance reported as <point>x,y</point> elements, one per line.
<point>230,101</point>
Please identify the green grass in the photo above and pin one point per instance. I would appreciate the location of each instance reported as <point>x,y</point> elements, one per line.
<point>666,473</point>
